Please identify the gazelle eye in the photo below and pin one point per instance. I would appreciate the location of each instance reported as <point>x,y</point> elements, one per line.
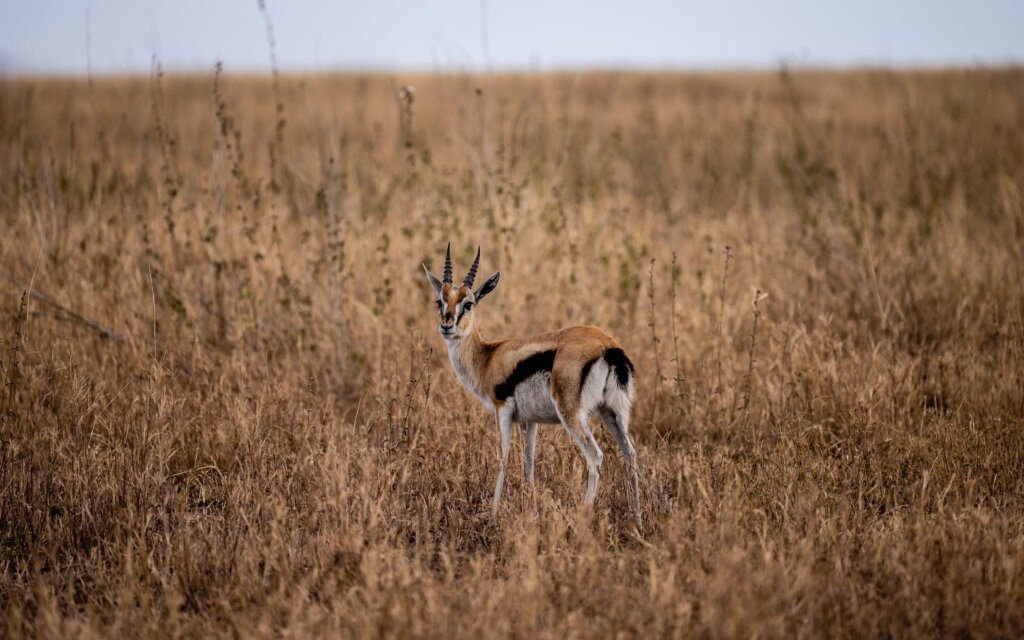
<point>439,305</point>
<point>466,306</point>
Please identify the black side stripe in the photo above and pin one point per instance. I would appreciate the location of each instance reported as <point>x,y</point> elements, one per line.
<point>527,367</point>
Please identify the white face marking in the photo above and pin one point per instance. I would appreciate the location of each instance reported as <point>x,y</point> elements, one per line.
<point>459,311</point>
<point>442,309</point>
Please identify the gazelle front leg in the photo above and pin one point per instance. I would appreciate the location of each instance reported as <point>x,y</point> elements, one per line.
<point>529,432</point>
<point>505,426</point>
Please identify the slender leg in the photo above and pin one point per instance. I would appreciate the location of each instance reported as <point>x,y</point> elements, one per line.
<point>616,425</point>
<point>529,432</point>
<point>576,424</point>
<point>594,457</point>
<point>505,424</point>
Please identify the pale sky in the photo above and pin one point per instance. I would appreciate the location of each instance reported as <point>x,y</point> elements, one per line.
<point>116,36</point>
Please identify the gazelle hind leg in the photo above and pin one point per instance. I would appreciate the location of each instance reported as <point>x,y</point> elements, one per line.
<point>576,424</point>
<point>619,429</point>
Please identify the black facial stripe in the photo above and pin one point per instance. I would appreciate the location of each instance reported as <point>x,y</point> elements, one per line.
<point>527,367</point>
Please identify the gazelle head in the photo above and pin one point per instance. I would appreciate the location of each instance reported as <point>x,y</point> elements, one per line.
<point>456,305</point>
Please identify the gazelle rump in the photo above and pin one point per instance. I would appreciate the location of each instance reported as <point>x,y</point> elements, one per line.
<point>557,377</point>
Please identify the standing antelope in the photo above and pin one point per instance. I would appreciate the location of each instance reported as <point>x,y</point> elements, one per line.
<point>562,376</point>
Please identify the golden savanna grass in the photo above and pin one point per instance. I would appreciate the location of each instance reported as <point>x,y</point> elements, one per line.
<point>226,410</point>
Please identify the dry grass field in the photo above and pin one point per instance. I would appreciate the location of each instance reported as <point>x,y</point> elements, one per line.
<point>226,410</point>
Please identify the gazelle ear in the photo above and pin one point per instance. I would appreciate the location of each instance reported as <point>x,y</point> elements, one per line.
<point>488,286</point>
<point>434,282</point>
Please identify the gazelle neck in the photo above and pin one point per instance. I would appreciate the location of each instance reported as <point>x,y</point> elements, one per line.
<point>467,355</point>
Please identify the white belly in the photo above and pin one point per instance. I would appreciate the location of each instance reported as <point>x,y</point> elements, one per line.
<point>533,401</point>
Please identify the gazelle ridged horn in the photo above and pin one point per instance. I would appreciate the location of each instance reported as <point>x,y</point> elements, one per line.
<point>448,265</point>
<point>468,282</point>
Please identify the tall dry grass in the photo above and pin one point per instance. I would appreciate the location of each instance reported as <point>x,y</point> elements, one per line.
<point>226,410</point>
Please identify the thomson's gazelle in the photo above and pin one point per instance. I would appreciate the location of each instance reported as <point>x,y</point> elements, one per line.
<point>563,376</point>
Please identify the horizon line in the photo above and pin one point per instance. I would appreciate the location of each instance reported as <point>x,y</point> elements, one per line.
<point>433,70</point>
